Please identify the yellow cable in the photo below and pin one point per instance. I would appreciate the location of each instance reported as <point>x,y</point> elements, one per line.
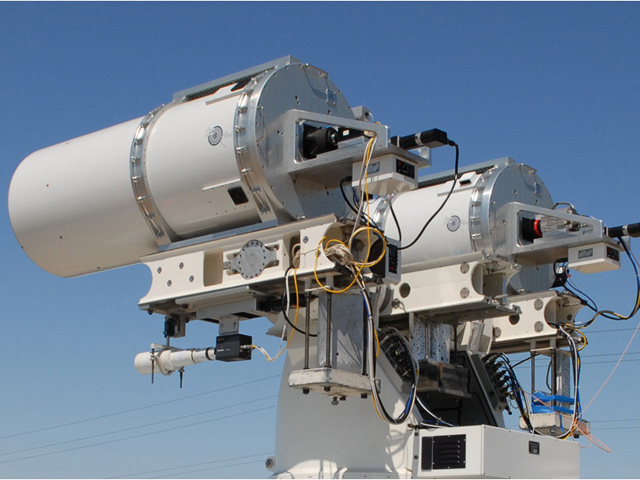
<point>315,272</point>
<point>384,245</point>
<point>375,407</point>
<point>295,320</point>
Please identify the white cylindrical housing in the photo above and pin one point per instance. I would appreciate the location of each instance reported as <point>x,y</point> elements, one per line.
<point>72,207</point>
<point>211,161</point>
<point>469,221</point>
<point>189,177</point>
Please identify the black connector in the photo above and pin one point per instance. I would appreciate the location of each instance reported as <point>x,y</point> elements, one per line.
<point>632,230</point>
<point>233,348</point>
<point>433,138</point>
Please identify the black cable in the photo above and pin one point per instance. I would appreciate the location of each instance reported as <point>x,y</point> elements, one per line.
<point>353,206</point>
<point>516,391</point>
<point>522,361</point>
<point>583,297</point>
<point>414,373</point>
<point>284,309</point>
<point>548,375</point>
<point>395,219</point>
<point>286,317</point>
<point>609,314</point>
<point>453,186</point>
<point>344,195</point>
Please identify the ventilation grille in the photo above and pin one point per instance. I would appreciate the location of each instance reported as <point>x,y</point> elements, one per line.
<point>444,453</point>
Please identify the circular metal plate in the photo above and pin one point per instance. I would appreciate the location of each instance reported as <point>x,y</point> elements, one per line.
<point>252,259</point>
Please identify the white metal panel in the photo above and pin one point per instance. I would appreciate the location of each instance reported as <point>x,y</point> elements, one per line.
<point>447,237</point>
<point>492,452</point>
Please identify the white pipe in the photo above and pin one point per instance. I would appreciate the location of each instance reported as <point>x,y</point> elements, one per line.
<point>169,360</point>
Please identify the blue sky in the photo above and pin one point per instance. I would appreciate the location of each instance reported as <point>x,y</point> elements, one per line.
<point>553,85</point>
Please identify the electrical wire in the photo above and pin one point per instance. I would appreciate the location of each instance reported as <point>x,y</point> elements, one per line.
<point>378,405</point>
<point>577,407</point>
<point>433,415</point>
<point>147,435</point>
<point>624,352</point>
<point>295,321</point>
<point>352,206</point>
<point>138,474</point>
<point>517,392</point>
<point>611,315</point>
<point>128,429</point>
<point>137,409</point>
<point>209,469</point>
<point>453,186</point>
<point>395,220</point>
<point>285,305</point>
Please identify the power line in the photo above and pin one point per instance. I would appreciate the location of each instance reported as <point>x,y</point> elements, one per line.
<point>618,428</point>
<point>137,436</point>
<point>138,474</point>
<point>207,469</point>
<point>608,354</point>
<point>136,427</point>
<point>611,421</point>
<point>599,362</point>
<point>612,361</point>
<point>611,330</point>
<point>123,412</point>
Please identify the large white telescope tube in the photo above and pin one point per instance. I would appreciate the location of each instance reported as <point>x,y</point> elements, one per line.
<point>211,161</point>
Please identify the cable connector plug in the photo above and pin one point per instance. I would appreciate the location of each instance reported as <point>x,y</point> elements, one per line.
<point>433,138</point>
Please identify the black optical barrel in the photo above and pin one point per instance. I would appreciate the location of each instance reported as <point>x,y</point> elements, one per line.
<point>632,230</point>
<point>429,138</point>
